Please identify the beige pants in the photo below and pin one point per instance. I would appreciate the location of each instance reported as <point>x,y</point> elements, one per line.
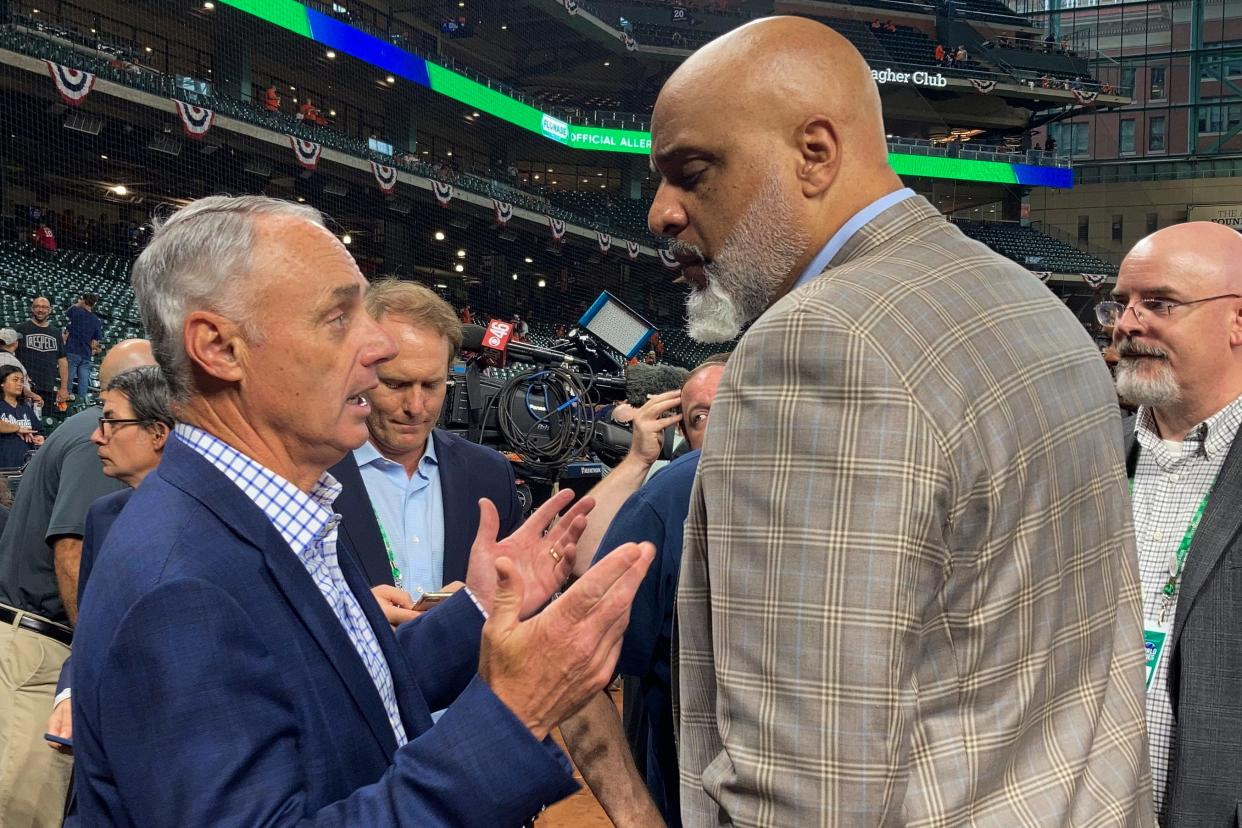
<point>33,778</point>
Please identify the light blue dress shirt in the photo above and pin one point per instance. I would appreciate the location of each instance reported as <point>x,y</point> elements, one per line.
<point>411,511</point>
<point>848,230</point>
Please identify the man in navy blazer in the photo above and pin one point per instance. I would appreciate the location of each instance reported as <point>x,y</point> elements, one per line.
<point>230,665</point>
<point>410,494</point>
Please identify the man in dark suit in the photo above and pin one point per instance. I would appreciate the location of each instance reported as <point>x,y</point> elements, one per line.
<point>230,666</point>
<point>1177,327</point>
<point>410,495</point>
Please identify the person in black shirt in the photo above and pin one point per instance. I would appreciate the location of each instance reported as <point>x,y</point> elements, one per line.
<point>19,427</point>
<point>42,352</point>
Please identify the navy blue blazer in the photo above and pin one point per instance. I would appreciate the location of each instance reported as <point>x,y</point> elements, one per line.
<point>215,686</point>
<point>99,519</point>
<point>468,472</point>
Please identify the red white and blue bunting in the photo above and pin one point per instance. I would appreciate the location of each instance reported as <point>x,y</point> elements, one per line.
<point>195,120</point>
<point>504,211</point>
<point>667,259</point>
<point>443,192</point>
<point>385,177</point>
<point>631,249</point>
<point>557,226</point>
<point>1083,96</point>
<point>1094,279</point>
<point>73,85</point>
<point>604,240</point>
<point>984,86</point>
<point>307,152</point>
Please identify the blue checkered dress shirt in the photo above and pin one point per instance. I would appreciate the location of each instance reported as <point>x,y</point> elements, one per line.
<point>308,524</point>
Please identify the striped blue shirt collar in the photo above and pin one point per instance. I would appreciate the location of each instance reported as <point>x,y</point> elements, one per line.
<point>847,231</point>
<point>301,518</point>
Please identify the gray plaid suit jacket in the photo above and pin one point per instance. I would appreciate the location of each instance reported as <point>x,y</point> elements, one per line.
<point>909,593</point>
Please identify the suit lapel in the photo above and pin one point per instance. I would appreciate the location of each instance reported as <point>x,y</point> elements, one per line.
<point>414,713</point>
<point>1220,525</point>
<point>187,470</point>
<point>358,524</point>
<point>459,511</point>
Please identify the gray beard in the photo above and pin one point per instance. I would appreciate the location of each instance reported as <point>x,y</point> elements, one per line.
<point>754,262</point>
<point>1158,390</point>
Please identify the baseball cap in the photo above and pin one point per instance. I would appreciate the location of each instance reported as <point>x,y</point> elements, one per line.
<point>8,336</point>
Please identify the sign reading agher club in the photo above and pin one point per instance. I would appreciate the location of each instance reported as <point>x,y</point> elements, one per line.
<point>920,78</point>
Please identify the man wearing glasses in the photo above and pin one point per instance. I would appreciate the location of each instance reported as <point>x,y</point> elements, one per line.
<point>135,420</point>
<point>1177,327</point>
<point>39,554</point>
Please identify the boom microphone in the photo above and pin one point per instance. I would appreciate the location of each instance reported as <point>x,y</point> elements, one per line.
<point>642,381</point>
<point>473,338</point>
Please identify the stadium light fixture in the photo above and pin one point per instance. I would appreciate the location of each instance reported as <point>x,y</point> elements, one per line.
<point>504,27</point>
<point>461,254</point>
<point>347,239</point>
<point>330,55</point>
<point>119,189</point>
<point>439,235</point>
<point>515,277</point>
<point>459,268</point>
<point>390,79</point>
<point>301,200</point>
<point>332,113</point>
<point>536,176</point>
<point>103,158</point>
<point>209,5</point>
<point>441,286</point>
<point>149,50</point>
<point>449,153</point>
<point>543,283</point>
<point>608,63</point>
<point>529,260</point>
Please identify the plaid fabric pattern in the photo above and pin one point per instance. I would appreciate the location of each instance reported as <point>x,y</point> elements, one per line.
<point>1168,486</point>
<point>308,524</point>
<point>909,593</point>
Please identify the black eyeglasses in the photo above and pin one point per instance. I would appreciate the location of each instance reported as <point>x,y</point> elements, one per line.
<point>107,425</point>
<point>1110,313</point>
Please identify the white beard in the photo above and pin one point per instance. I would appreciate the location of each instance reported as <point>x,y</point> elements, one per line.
<point>754,262</point>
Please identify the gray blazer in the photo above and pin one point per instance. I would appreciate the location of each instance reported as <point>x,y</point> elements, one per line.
<point>910,592</point>
<point>1205,662</point>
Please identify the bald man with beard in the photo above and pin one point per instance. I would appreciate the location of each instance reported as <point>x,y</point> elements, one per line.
<point>1177,327</point>
<point>910,591</point>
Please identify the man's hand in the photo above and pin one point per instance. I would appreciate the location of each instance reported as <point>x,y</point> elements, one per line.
<point>62,395</point>
<point>34,398</point>
<point>545,561</point>
<point>61,724</point>
<point>649,425</point>
<point>396,604</point>
<point>545,668</point>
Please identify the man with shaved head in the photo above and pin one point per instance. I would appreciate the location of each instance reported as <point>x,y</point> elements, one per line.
<point>1177,327</point>
<point>909,593</point>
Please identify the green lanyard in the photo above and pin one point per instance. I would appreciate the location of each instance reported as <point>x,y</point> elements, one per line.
<point>392,559</point>
<point>1183,549</point>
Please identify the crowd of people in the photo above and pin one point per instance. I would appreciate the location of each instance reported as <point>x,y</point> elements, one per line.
<point>913,565</point>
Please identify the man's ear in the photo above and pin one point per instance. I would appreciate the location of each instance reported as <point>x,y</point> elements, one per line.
<point>215,345</point>
<point>820,152</point>
<point>1235,327</point>
<point>159,436</point>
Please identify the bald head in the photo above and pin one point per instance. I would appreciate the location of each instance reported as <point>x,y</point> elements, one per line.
<point>126,354</point>
<point>1197,254</point>
<point>771,75</point>
<point>768,140</point>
